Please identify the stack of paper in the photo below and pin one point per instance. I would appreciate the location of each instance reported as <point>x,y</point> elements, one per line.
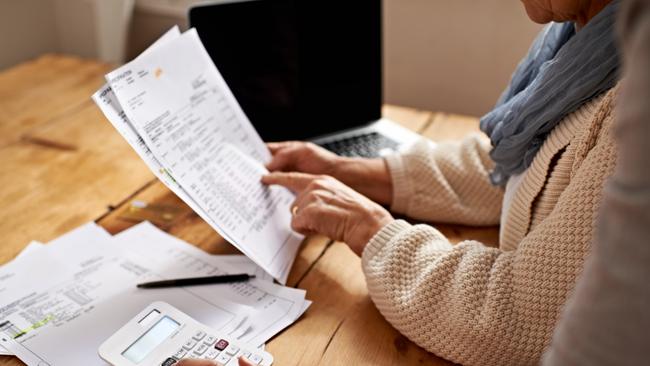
<point>174,108</point>
<point>60,301</point>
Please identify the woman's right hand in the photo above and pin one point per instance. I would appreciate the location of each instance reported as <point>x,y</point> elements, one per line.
<point>369,177</point>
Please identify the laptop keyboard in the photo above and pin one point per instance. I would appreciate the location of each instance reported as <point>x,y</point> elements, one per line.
<point>367,146</point>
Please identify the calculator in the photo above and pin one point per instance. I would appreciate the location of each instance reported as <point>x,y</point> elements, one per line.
<point>160,335</point>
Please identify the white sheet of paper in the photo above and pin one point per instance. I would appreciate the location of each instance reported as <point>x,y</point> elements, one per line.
<point>277,306</point>
<point>245,264</point>
<point>11,284</point>
<point>109,105</point>
<point>181,107</point>
<point>30,248</point>
<point>76,300</point>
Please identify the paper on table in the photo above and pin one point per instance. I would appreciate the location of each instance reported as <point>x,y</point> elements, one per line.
<point>10,282</point>
<point>12,285</point>
<point>181,107</point>
<point>76,301</point>
<point>243,263</point>
<point>277,306</point>
<point>30,248</point>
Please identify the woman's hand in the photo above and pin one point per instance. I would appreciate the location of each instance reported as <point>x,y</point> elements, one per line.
<point>196,362</point>
<point>369,177</point>
<point>326,206</point>
<point>305,157</point>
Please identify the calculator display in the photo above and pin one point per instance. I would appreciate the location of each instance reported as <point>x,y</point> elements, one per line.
<point>141,348</point>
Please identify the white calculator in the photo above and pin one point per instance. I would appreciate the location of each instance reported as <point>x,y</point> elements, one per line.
<point>161,335</point>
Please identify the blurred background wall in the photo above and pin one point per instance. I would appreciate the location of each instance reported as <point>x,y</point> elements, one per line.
<point>454,56</point>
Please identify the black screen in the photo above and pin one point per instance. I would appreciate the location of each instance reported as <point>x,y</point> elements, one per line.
<point>298,68</point>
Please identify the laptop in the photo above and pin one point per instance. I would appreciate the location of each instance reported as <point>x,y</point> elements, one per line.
<point>305,70</point>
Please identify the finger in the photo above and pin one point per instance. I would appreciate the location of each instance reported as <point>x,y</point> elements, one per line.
<point>276,146</point>
<point>282,160</point>
<point>243,361</point>
<point>196,362</point>
<point>294,181</point>
<point>312,218</point>
<point>319,218</point>
<point>302,221</point>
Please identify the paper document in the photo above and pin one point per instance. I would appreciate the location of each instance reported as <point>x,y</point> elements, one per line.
<point>276,306</point>
<point>81,288</point>
<point>172,105</point>
<point>109,105</point>
<point>87,297</point>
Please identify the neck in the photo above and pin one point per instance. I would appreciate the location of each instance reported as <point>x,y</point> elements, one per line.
<point>591,9</point>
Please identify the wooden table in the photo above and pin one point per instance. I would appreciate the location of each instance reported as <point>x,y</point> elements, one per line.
<point>64,165</point>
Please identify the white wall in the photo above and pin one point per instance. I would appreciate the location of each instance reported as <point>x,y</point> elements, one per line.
<point>443,55</point>
<point>26,30</point>
<point>86,28</point>
<point>452,55</point>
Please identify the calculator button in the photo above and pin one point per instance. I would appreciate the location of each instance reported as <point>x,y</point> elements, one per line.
<point>169,361</point>
<point>223,358</point>
<point>221,345</point>
<point>209,340</point>
<point>180,353</point>
<point>232,350</point>
<point>246,354</point>
<point>211,354</point>
<point>189,344</point>
<point>200,349</point>
<point>255,359</point>
<point>233,362</point>
<point>199,335</point>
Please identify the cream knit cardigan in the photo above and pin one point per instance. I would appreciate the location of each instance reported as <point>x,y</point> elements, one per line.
<point>473,304</point>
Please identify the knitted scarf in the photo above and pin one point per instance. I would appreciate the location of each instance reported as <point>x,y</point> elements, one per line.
<point>562,70</point>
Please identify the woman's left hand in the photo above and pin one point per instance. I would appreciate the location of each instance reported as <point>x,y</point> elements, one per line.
<point>326,206</point>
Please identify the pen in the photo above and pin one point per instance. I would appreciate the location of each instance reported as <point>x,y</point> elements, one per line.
<point>193,281</point>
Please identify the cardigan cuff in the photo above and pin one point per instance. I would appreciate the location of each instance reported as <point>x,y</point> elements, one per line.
<point>402,187</point>
<point>382,237</point>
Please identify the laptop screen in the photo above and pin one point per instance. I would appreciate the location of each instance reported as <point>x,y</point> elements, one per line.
<point>299,68</point>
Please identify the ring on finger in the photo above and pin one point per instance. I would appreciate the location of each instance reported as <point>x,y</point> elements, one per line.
<point>294,210</point>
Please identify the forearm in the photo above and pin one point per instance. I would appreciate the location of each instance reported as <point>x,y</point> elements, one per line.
<point>369,177</point>
<point>468,303</point>
<point>441,297</point>
<point>448,182</point>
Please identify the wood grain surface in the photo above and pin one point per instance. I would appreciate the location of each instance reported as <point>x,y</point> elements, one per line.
<point>64,165</point>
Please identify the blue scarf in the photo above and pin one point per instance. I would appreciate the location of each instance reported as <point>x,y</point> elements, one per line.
<point>562,70</point>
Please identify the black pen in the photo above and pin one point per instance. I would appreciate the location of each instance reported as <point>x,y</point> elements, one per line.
<point>193,281</point>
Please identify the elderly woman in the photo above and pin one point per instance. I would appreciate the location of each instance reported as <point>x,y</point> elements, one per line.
<point>541,178</point>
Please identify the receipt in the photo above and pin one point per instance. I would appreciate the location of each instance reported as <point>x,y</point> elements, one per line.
<point>183,112</point>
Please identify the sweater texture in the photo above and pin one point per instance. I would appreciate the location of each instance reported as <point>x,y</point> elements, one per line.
<point>606,320</point>
<point>474,304</point>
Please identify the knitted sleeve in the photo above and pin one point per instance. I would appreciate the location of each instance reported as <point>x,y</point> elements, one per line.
<point>476,305</point>
<point>448,182</point>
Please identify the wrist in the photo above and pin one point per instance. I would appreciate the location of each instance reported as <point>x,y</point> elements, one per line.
<point>373,225</point>
<point>369,177</point>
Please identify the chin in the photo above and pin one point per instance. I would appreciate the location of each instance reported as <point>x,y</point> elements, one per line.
<point>536,14</point>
